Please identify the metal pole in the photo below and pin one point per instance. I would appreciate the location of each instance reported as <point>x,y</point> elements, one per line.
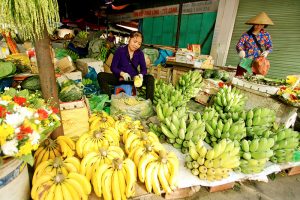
<point>178,25</point>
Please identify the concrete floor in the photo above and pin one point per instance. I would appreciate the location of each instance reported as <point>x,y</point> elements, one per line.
<point>282,188</point>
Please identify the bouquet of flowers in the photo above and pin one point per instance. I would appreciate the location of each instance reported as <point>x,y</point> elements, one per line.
<point>25,121</point>
<point>290,95</point>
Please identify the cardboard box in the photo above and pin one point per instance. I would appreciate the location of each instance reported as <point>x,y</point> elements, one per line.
<point>65,65</point>
<point>84,63</point>
<point>76,76</point>
<point>107,63</point>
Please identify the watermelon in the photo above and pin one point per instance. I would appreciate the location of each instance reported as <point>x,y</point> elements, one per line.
<point>31,83</point>
<point>70,93</point>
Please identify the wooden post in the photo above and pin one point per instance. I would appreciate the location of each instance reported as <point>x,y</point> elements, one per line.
<point>178,26</point>
<point>47,75</point>
<point>226,15</point>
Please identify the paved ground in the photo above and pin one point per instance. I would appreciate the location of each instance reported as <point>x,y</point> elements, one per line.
<point>282,188</point>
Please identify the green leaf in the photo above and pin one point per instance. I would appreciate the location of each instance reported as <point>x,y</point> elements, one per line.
<point>28,159</point>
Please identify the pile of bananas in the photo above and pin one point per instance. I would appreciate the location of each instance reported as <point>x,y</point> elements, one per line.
<point>94,159</point>
<point>60,186</point>
<point>116,180</point>
<point>101,120</point>
<point>260,117</point>
<point>156,128</point>
<point>124,123</point>
<point>55,166</point>
<point>166,93</point>
<point>49,149</point>
<point>286,141</point>
<point>229,100</point>
<point>179,129</point>
<point>219,129</point>
<point>255,154</point>
<point>189,84</point>
<point>95,139</point>
<point>164,110</point>
<point>156,167</point>
<point>131,139</point>
<point>213,164</point>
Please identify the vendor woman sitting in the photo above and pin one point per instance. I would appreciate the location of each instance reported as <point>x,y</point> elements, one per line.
<point>124,67</point>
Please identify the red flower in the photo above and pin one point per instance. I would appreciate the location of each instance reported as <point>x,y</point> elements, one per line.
<point>2,112</point>
<point>55,110</point>
<point>23,132</point>
<point>293,97</point>
<point>20,100</point>
<point>283,88</point>
<point>42,114</point>
<point>221,84</point>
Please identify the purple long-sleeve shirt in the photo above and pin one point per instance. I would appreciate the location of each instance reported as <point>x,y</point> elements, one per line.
<point>121,62</point>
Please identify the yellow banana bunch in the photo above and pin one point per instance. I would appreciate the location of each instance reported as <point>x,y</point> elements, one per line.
<point>126,126</point>
<point>67,146</point>
<point>96,159</point>
<point>101,120</point>
<point>93,140</point>
<point>213,164</point>
<point>55,166</point>
<point>49,149</point>
<point>136,138</point>
<point>147,148</point>
<point>59,186</point>
<point>159,172</point>
<point>115,180</point>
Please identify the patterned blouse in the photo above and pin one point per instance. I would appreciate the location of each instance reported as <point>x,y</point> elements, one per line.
<point>248,44</point>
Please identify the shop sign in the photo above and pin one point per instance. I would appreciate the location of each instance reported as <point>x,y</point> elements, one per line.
<point>187,8</point>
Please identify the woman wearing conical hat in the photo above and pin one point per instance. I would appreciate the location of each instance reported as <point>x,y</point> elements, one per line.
<point>247,46</point>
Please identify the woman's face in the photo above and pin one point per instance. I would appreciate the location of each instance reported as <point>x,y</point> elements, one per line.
<point>258,27</point>
<point>134,43</point>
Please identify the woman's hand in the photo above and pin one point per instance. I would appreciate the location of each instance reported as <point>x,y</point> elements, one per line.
<point>126,76</point>
<point>242,54</point>
<point>265,54</point>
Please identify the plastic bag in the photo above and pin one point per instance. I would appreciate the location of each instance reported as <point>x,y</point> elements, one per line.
<point>133,106</point>
<point>98,103</point>
<point>260,65</point>
<point>90,82</point>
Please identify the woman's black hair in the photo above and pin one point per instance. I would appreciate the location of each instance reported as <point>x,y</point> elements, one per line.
<point>252,29</point>
<point>136,34</point>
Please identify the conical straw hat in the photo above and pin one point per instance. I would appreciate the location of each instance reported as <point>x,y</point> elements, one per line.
<point>261,18</point>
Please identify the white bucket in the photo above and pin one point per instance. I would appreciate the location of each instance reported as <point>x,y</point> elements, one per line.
<point>14,180</point>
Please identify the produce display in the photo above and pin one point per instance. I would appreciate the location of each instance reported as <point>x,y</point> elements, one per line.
<point>186,88</point>
<point>59,186</point>
<point>255,154</point>
<point>216,74</point>
<point>180,127</point>
<point>213,164</point>
<point>289,95</point>
<point>70,91</point>
<point>218,128</point>
<point>286,143</point>
<point>259,79</point>
<point>50,149</point>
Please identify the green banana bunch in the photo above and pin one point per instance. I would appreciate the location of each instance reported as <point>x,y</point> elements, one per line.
<point>229,100</point>
<point>180,129</point>
<point>212,164</point>
<point>164,110</point>
<point>260,117</point>
<point>255,153</point>
<point>189,84</point>
<point>218,129</point>
<point>166,93</point>
<point>286,141</point>
<point>157,130</point>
